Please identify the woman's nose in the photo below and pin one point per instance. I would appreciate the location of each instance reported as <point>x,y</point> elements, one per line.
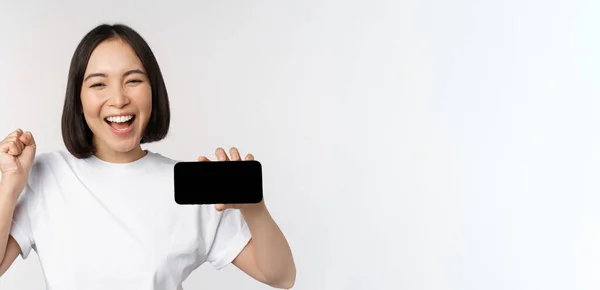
<point>119,98</point>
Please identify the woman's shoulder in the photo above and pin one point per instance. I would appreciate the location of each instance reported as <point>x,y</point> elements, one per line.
<point>44,158</point>
<point>42,163</point>
<point>50,157</point>
<point>157,161</point>
<point>62,159</point>
<point>160,157</point>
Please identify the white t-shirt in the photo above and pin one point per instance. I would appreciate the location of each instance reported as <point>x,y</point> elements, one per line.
<point>100,225</point>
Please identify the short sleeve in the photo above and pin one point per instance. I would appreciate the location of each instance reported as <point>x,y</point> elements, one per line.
<point>21,229</point>
<point>231,235</point>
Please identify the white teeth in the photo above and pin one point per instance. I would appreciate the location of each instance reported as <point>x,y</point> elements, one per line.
<point>119,119</point>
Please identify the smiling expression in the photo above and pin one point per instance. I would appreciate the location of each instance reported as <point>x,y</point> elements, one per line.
<point>116,97</point>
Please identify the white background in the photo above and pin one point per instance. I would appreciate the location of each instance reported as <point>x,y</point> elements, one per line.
<point>406,144</point>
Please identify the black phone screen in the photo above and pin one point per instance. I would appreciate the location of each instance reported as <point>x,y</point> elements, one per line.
<point>218,182</point>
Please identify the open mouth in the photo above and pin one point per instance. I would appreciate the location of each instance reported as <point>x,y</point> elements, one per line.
<point>120,123</point>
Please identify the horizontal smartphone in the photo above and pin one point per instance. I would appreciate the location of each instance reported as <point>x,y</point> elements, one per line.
<point>218,182</point>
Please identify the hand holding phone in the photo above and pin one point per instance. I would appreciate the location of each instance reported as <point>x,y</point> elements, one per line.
<point>225,182</point>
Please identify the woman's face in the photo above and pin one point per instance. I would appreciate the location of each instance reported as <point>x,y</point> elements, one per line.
<point>116,97</point>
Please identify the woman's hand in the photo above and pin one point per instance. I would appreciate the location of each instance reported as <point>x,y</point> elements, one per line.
<point>235,156</point>
<point>267,256</point>
<point>17,152</point>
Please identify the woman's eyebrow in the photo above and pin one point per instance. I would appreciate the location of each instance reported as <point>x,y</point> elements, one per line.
<point>133,71</point>
<point>94,75</point>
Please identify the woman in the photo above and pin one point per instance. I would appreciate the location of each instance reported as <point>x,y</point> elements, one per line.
<point>101,214</point>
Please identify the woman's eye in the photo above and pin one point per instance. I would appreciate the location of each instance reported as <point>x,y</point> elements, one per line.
<point>134,81</point>
<point>97,85</point>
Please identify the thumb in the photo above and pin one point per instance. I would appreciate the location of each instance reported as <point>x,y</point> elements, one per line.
<point>27,139</point>
<point>222,207</point>
<point>28,153</point>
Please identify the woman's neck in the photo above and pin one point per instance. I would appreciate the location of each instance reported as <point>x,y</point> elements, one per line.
<point>120,157</point>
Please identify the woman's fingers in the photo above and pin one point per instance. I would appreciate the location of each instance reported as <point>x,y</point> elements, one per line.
<point>27,139</point>
<point>15,133</point>
<point>15,142</point>
<point>222,207</point>
<point>14,149</point>
<point>12,146</point>
<point>235,154</point>
<point>221,155</point>
<point>203,158</point>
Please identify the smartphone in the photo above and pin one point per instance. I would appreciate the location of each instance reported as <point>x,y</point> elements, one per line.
<point>218,182</point>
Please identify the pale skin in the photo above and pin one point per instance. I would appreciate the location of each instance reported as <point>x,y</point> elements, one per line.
<point>17,152</point>
<point>116,83</point>
<point>267,257</point>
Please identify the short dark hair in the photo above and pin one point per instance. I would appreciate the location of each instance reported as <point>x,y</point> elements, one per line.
<point>76,133</point>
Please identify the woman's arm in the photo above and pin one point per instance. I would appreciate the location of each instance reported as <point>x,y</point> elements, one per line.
<point>9,249</point>
<point>10,255</point>
<point>267,257</point>
<point>17,153</point>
